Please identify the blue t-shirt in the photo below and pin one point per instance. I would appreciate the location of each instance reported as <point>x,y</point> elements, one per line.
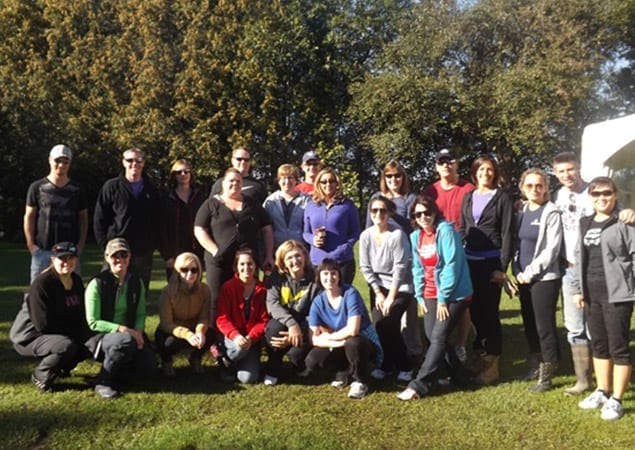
<point>528,235</point>
<point>322,314</point>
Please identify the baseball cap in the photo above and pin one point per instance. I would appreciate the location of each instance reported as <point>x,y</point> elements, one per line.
<point>61,151</point>
<point>445,154</point>
<point>117,245</point>
<point>310,156</point>
<point>63,249</point>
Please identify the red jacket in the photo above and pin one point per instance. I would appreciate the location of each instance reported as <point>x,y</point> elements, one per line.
<point>230,319</point>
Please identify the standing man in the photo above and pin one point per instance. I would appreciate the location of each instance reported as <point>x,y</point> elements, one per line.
<point>311,166</point>
<point>128,207</point>
<point>56,211</point>
<point>252,188</point>
<point>448,193</point>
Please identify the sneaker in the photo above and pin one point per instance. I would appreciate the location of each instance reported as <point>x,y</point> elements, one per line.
<point>612,410</point>
<point>338,384</point>
<point>461,353</point>
<point>42,385</point>
<point>594,401</point>
<point>404,375</point>
<point>408,394</point>
<point>357,390</point>
<point>378,374</point>
<point>106,391</point>
<point>270,381</point>
<point>168,369</point>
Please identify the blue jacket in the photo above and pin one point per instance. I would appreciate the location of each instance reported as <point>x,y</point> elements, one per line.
<point>282,229</point>
<point>451,274</point>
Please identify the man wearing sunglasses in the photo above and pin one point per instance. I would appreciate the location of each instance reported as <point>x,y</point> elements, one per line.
<point>56,211</point>
<point>128,207</point>
<point>252,188</point>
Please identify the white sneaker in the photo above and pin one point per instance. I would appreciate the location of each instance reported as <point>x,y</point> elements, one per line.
<point>408,394</point>
<point>338,384</point>
<point>270,381</point>
<point>594,401</point>
<point>357,390</point>
<point>612,410</point>
<point>405,375</point>
<point>461,353</point>
<point>378,374</point>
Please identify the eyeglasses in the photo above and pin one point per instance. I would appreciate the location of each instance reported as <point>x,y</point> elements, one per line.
<point>186,270</point>
<point>329,181</point>
<point>62,161</point>
<point>378,210</point>
<point>392,175</point>
<point>241,159</point>
<point>120,255</point>
<point>445,161</point>
<point>183,172</point>
<point>65,248</point>
<point>606,193</point>
<point>419,214</point>
<point>134,160</point>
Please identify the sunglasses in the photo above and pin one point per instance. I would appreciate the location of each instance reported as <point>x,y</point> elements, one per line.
<point>445,161</point>
<point>241,159</point>
<point>186,270</point>
<point>606,193</point>
<point>183,172</point>
<point>419,214</point>
<point>311,163</point>
<point>64,249</point>
<point>392,175</point>
<point>329,181</point>
<point>120,255</point>
<point>378,210</point>
<point>134,160</point>
<point>62,161</point>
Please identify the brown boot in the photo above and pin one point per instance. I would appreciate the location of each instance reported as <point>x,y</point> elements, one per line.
<point>582,365</point>
<point>489,373</point>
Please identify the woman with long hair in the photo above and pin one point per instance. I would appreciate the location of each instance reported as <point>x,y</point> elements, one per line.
<point>331,224</point>
<point>51,325</point>
<point>242,317</point>
<point>537,268</point>
<point>184,314</point>
<point>443,288</point>
<point>486,228</point>
<point>290,292</point>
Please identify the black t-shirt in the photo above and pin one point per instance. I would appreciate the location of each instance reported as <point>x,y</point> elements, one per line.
<point>252,189</point>
<point>594,270</point>
<point>231,229</point>
<point>57,211</point>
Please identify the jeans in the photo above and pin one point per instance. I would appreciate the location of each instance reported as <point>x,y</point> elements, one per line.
<point>440,351</point>
<point>538,303</point>
<point>574,318</point>
<point>246,362</point>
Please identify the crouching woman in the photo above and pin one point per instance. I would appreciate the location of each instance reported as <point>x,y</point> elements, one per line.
<point>116,309</point>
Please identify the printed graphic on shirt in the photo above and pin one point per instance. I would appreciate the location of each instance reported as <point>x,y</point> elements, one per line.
<point>286,296</point>
<point>427,250</point>
<point>592,237</point>
<point>72,300</point>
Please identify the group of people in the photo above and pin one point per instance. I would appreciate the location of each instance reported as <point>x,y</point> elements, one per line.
<point>447,250</point>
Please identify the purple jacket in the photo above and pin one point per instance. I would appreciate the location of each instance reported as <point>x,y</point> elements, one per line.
<point>341,220</point>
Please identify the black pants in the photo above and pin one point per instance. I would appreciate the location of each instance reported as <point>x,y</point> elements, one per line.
<point>389,331</point>
<point>216,273</point>
<point>351,362</point>
<point>538,304</point>
<point>58,352</point>
<point>296,355</point>
<point>485,306</point>
<point>169,345</point>
<point>609,327</point>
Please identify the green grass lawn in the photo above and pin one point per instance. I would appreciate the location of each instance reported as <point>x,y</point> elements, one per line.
<point>200,412</point>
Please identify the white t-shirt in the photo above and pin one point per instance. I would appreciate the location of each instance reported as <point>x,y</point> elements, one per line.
<point>573,206</point>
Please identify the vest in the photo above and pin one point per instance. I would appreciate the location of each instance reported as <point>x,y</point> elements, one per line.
<point>107,286</point>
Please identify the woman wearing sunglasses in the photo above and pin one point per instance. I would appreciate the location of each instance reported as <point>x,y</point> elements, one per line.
<point>116,310</point>
<point>178,211</point>
<point>184,307</point>
<point>442,287</point>
<point>331,224</point>
<point>51,325</point>
<point>486,228</point>
<point>606,279</point>
<point>384,260</point>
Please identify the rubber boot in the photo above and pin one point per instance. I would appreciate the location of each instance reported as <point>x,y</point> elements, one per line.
<point>583,367</point>
<point>489,373</point>
<point>533,364</point>
<point>545,377</point>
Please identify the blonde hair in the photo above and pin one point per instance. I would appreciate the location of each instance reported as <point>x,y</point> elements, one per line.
<point>175,164</point>
<point>288,170</point>
<point>184,260</point>
<point>318,192</point>
<point>540,173</point>
<point>288,246</point>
